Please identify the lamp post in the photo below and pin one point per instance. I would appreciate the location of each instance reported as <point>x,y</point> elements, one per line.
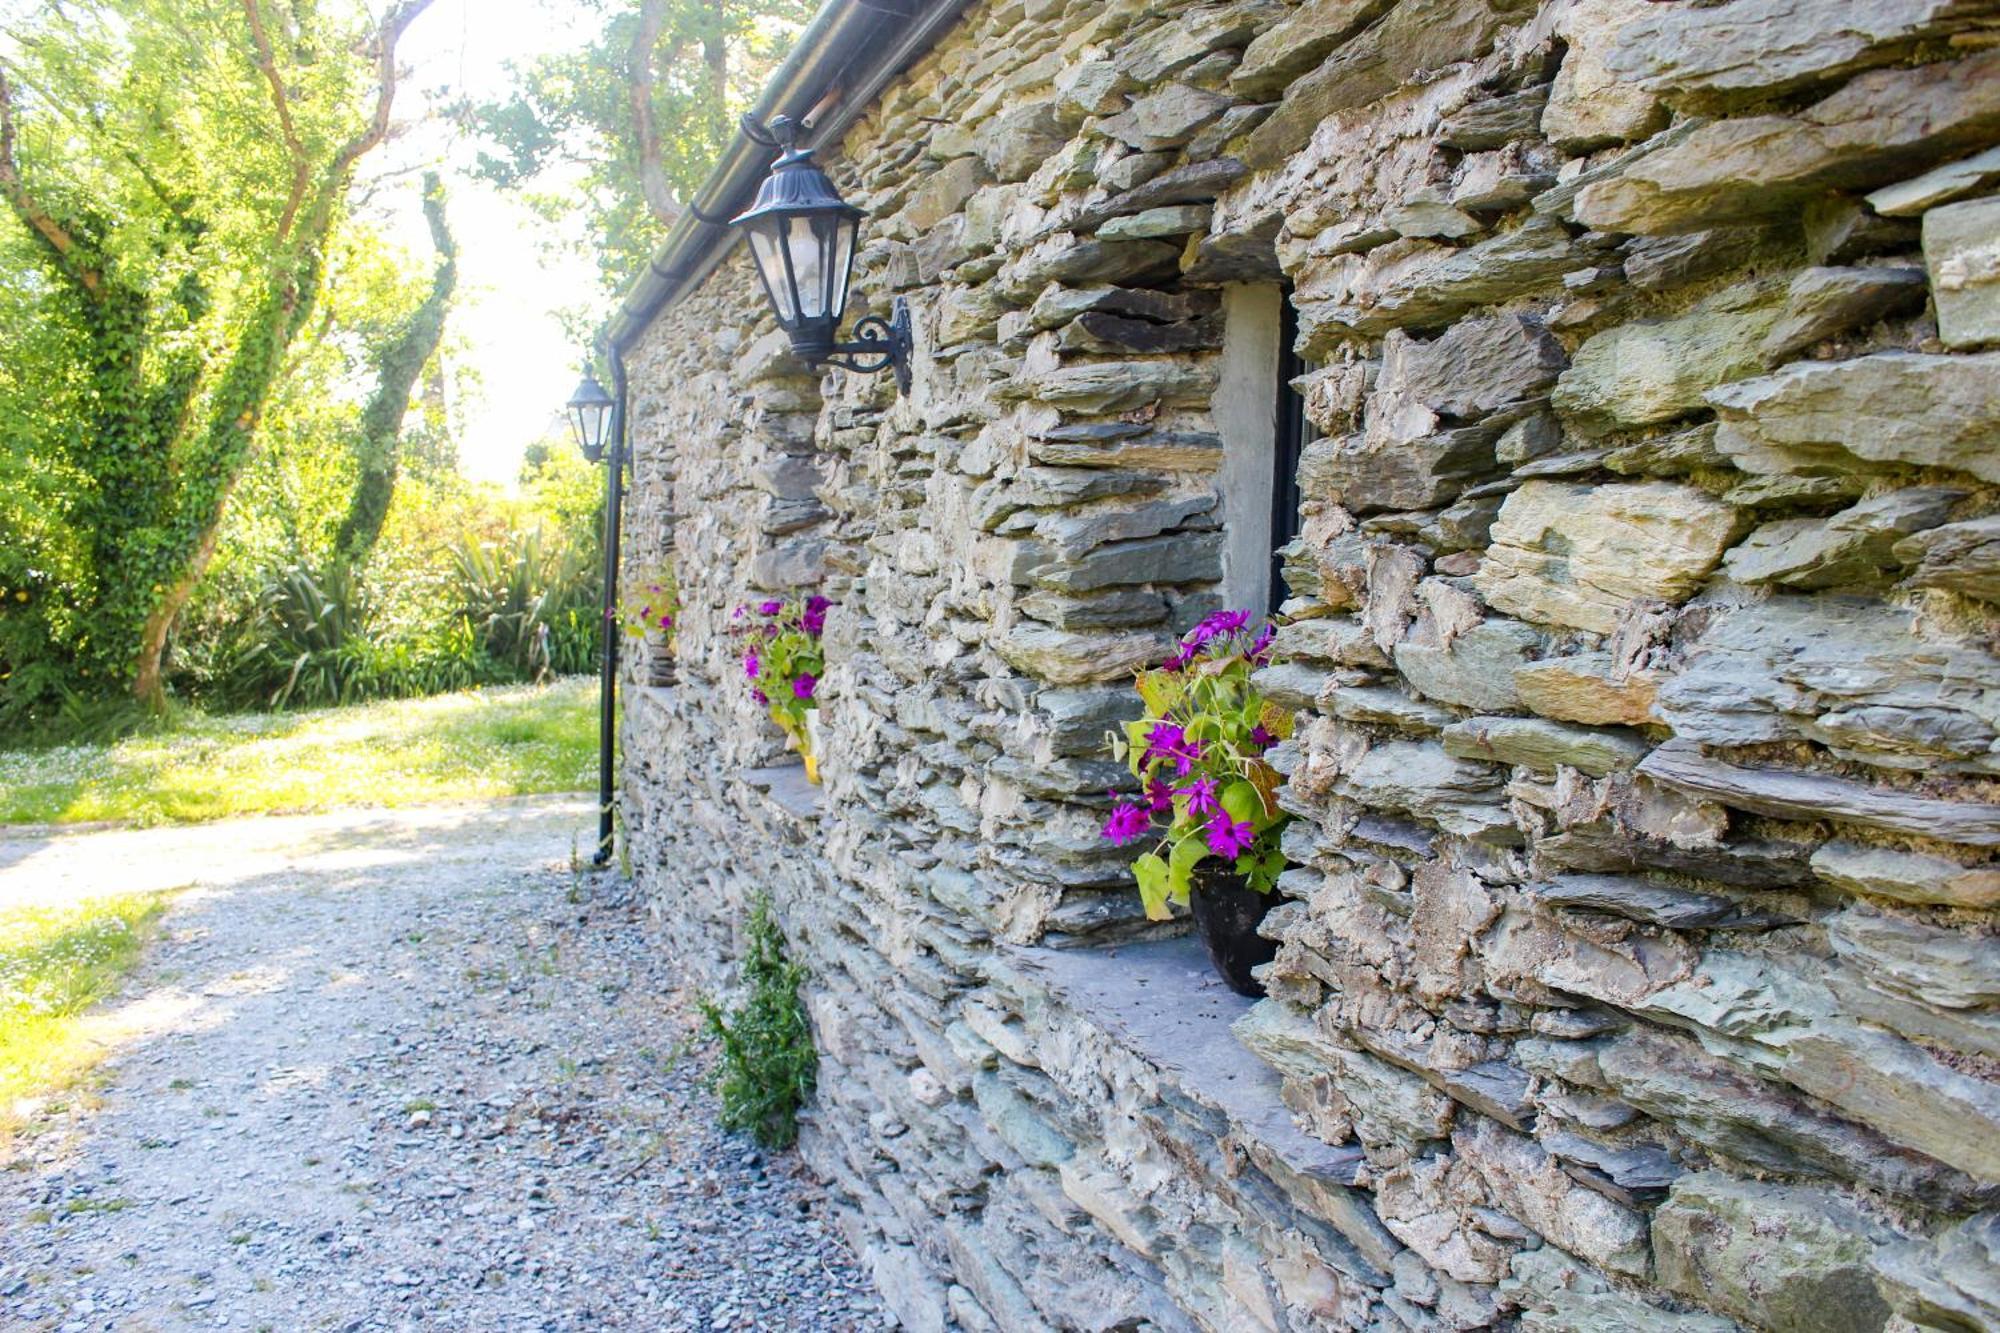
<point>802,238</point>
<point>597,420</point>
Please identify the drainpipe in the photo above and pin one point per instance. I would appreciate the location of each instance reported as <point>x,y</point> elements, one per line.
<point>607,683</point>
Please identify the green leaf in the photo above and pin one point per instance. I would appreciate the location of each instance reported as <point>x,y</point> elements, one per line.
<point>1244,805</point>
<point>1187,854</point>
<point>1151,873</point>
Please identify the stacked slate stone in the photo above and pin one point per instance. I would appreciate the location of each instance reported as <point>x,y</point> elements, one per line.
<point>1640,966</point>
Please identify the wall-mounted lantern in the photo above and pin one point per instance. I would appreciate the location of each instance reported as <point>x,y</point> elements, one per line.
<point>802,237</point>
<point>589,416</point>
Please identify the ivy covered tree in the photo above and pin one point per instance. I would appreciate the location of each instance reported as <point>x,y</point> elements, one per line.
<point>640,113</point>
<point>177,169</point>
<point>398,365</point>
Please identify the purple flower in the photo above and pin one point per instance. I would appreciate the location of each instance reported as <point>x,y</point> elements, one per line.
<point>1201,796</point>
<point>1261,645</point>
<point>751,664</point>
<point>760,696</point>
<point>1159,797</point>
<point>1221,625</point>
<point>819,604</point>
<point>1228,837</point>
<point>803,687</point>
<point>737,614</point>
<point>666,622</point>
<point>1127,822</point>
<point>814,619</point>
<point>1169,742</point>
<point>770,608</point>
<point>1262,738</point>
<point>1164,740</point>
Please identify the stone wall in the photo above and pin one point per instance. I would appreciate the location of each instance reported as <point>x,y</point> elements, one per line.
<point>1639,963</point>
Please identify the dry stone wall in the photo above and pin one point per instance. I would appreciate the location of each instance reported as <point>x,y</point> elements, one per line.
<point>1639,962</point>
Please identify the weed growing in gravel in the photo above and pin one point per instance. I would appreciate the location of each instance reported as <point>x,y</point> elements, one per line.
<point>768,1064</point>
<point>55,962</point>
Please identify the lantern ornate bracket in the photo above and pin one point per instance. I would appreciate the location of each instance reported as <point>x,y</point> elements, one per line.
<point>879,344</point>
<point>802,239</point>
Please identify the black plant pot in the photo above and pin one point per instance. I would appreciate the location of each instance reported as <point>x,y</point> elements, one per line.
<point>1226,914</point>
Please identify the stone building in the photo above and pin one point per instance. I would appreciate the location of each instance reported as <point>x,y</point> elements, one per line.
<point>1615,382</point>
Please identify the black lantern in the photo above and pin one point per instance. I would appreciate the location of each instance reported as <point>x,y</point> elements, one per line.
<point>802,237</point>
<point>590,416</point>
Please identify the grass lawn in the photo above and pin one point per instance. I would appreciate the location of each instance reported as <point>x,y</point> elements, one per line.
<point>496,742</point>
<point>55,962</point>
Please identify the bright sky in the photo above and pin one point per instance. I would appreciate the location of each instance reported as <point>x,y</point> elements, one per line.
<point>509,290</point>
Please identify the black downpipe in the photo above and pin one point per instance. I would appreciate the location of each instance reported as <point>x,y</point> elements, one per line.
<point>607,684</point>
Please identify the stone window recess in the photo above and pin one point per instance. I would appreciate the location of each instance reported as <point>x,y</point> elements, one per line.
<point>1295,431</point>
<point>1261,418</point>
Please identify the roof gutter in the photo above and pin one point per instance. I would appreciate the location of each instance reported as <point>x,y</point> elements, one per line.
<point>850,50</point>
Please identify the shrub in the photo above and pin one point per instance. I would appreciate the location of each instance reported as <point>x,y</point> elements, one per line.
<point>768,1065</point>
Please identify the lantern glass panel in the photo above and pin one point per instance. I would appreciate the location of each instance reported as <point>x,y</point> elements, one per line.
<point>587,420</point>
<point>771,267</point>
<point>843,263</point>
<point>802,239</point>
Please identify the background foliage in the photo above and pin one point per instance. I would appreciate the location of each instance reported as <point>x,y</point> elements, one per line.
<point>231,408</point>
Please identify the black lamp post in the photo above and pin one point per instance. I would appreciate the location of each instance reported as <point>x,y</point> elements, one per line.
<point>802,237</point>
<point>597,421</point>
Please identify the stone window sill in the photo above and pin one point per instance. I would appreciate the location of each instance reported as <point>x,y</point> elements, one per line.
<point>1163,1001</point>
<point>787,788</point>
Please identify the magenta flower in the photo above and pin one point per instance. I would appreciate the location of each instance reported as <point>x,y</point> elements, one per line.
<point>1164,740</point>
<point>1201,796</point>
<point>760,696</point>
<point>1260,647</point>
<point>770,608</point>
<point>814,619</point>
<point>666,622</point>
<point>1227,837</point>
<point>1261,737</point>
<point>803,687</point>
<point>752,664</point>
<point>737,614</point>
<point>1159,797</point>
<point>1127,822</point>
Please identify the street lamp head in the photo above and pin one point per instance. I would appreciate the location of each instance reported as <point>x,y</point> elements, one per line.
<point>802,239</point>
<point>590,416</point>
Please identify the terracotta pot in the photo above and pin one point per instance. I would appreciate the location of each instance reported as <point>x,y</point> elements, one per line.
<point>1226,914</point>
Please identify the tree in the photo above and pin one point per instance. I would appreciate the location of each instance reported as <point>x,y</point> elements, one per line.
<point>640,112</point>
<point>179,167</point>
<point>398,365</point>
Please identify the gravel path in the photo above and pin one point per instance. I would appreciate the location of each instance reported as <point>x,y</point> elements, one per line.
<point>387,1070</point>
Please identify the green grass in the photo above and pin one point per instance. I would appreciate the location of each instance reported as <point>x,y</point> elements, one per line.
<point>508,741</point>
<point>55,962</point>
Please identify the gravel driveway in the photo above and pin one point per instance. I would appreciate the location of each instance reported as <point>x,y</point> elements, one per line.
<point>398,1069</point>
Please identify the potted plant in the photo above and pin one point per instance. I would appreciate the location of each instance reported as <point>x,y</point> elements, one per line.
<point>1209,797</point>
<point>648,610</point>
<point>783,663</point>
